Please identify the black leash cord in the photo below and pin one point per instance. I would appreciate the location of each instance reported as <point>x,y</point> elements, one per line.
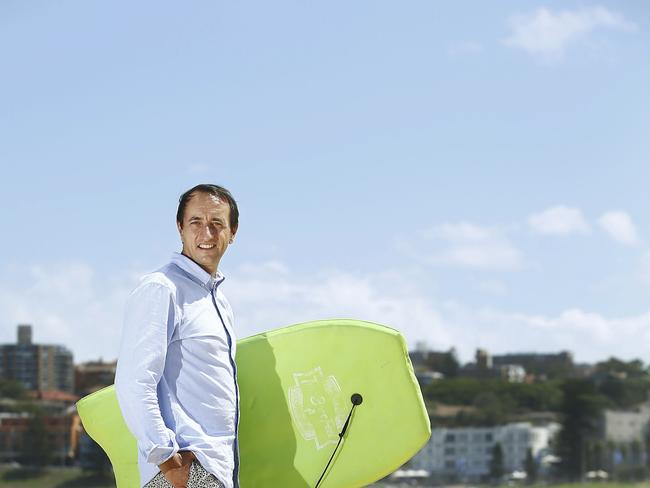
<point>356,399</point>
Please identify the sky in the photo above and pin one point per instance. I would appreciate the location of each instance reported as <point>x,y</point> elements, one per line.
<point>474,174</point>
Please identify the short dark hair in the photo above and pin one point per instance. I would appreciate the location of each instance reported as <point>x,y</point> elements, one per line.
<point>216,191</point>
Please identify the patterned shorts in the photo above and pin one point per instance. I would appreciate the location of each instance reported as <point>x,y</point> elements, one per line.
<point>199,478</point>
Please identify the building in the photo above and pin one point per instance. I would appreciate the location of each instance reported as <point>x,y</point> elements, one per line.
<point>465,453</point>
<point>622,440</point>
<point>485,367</point>
<point>423,360</point>
<point>93,375</point>
<point>512,373</point>
<point>626,426</point>
<point>15,426</point>
<point>37,366</point>
<point>553,365</point>
<point>483,360</point>
<point>22,419</point>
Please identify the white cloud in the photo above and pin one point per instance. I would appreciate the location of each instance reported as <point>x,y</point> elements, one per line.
<point>395,299</point>
<point>548,34</point>
<point>619,226</point>
<point>475,247</point>
<point>588,335</point>
<point>71,304</point>
<point>559,220</point>
<point>264,299</point>
<point>466,48</point>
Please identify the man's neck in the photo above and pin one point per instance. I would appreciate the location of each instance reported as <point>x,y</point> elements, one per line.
<point>212,273</point>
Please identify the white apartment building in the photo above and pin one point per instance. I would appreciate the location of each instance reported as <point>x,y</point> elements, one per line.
<point>466,452</point>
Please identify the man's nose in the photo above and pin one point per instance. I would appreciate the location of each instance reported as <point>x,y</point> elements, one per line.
<point>208,231</point>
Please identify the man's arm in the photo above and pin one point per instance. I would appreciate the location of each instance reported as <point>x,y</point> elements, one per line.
<point>148,327</point>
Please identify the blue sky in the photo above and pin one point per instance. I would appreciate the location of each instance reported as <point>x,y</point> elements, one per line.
<point>471,173</point>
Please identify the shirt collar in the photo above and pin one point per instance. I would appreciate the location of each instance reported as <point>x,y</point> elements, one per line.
<point>196,271</point>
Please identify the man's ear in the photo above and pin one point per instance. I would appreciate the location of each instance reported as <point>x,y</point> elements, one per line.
<point>234,230</point>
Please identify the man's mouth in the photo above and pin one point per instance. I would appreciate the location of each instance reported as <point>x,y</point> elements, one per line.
<point>206,246</point>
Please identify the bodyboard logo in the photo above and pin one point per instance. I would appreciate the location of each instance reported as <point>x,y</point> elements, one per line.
<point>317,406</point>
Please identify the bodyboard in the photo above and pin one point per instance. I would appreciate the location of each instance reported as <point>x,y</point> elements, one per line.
<point>296,385</point>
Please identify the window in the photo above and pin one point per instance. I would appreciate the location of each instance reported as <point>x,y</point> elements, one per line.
<point>450,438</point>
<point>488,437</point>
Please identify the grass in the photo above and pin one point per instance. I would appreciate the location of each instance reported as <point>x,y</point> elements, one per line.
<point>631,484</point>
<point>612,484</point>
<point>53,478</point>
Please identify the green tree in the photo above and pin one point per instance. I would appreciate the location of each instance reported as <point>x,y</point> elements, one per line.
<point>496,462</point>
<point>37,448</point>
<point>450,364</point>
<point>624,392</point>
<point>635,452</point>
<point>530,466</point>
<point>581,409</point>
<point>491,408</point>
<point>12,389</point>
<point>632,369</point>
<point>598,450</point>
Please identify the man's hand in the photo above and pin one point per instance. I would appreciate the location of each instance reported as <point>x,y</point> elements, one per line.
<point>177,468</point>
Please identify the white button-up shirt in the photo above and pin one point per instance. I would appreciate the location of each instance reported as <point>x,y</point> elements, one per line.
<point>176,378</point>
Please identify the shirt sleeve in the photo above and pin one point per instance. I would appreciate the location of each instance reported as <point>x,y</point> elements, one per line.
<point>148,327</point>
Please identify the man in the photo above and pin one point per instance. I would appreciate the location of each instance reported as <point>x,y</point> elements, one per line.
<point>176,378</point>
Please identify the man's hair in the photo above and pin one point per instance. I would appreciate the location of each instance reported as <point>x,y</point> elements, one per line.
<point>216,191</point>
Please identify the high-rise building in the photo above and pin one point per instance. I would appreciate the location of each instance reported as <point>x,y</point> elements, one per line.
<point>41,367</point>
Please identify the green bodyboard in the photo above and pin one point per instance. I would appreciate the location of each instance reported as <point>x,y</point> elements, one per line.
<point>295,388</point>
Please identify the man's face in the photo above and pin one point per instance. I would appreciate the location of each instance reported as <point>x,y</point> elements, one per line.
<point>205,230</point>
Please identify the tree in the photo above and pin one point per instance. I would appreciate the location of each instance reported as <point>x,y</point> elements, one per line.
<point>631,369</point>
<point>450,364</point>
<point>581,409</point>
<point>496,462</point>
<point>530,465</point>
<point>37,448</point>
<point>12,389</point>
<point>491,408</point>
<point>598,452</point>
<point>635,452</point>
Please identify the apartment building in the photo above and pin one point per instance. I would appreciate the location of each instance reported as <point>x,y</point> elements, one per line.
<point>466,452</point>
<point>41,367</point>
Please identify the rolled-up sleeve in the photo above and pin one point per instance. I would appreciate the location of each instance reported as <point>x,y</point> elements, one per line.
<point>148,327</point>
